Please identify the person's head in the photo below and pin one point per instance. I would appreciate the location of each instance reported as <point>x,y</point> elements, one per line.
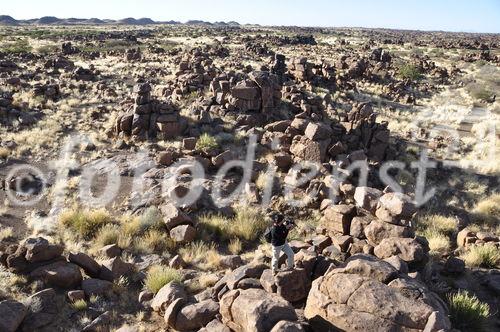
<point>278,218</point>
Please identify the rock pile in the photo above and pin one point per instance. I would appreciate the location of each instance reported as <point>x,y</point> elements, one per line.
<point>68,49</point>
<point>150,117</point>
<point>47,90</point>
<point>133,54</point>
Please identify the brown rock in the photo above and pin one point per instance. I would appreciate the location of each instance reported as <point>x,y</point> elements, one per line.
<point>183,233</point>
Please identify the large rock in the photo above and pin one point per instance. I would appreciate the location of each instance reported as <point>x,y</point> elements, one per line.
<point>308,150</point>
<point>285,326</point>
<point>59,274</point>
<point>292,285</point>
<point>254,310</point>
<point>96,287</point>
<point>195,316</point>
<point>337,218</point>
<point>183,233</point>
<point>409,250</point>
<point>344,300</point>
<point>42,310</point>
<point>168,294</point>
<point>115,268</point>
<point>394,207</point>
<point>39,250</point>
<point>367,198</point>
<point>318,131</point>
<point>87,263</point>
<point>12,314</point>
<point>378,230</point>
<point>173,217</point>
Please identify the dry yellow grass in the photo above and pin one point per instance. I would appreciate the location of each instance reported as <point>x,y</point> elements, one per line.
<point>482,255</point>
<point>235,246</point>
<point>84,222</point>
<point>201,254</point>
<point>487,211</point>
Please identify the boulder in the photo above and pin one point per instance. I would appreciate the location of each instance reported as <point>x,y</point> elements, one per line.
<point>42,310</point>
<point>87,263</point>
<point>96,287</point>
<point>39,250</point>
<point>195,316</point>
<point>101,323</point>
<point>285,326</point>
<point>168,294</point>
<point>254,310</point>
<point>409,250</point>
<point>115,268</point>
<point>394,207</point>
<point>293,285</point>
<point>173,217</point>
<point>344,300</point>
<point>231,261</point>
<point>367,198</point>
<point>337,218</point>
<point>378,230</point>
<point>318,131</point>
<point>111,251</point>
<point>59,274</point>
<point>12,314</point>
<point>183,233</point>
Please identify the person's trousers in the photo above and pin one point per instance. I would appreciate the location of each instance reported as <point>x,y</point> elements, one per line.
<point>276,256</point>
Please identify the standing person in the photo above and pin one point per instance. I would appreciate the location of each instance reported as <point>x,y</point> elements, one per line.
<point>279,233</point>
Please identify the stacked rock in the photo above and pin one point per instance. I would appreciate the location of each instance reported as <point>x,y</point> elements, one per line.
<point>133,54</point>
<point>261,92</point>
<point>301,69</point>
<point>279,65</point>
<point>5,103</point>
<point>149,117</point>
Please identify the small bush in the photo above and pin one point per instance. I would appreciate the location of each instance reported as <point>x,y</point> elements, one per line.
<point>467,313</point>
<point>6,233</point>
<point>482,255</point>
<point>159,275</point>
<point>155,241</point>
<point>439,243</point>
<point>19,46</point>
<point>437,223</point>
<point>4,152</point>
<point>79,305</point>
<point>235,246</point>
<point>487,211</point>
<point>201,254</point>
<point>410,72</point>
<point>85,223</point>
<point>136,225</point>
<point>248,224</point>
<point>479,92</point>
<point>108,234</point>
<point>206,142</point>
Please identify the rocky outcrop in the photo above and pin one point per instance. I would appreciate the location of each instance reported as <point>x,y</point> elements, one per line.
<point>369,295</point>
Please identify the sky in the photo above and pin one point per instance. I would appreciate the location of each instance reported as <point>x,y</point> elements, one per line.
<point>447,15</point>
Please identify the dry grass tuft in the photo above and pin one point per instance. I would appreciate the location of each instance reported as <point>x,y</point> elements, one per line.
<point>201,254</point>
<point>85,223</point>
<point>159,275</point>
<point>235,246</point>
<point>487,211</point>
<point>482,256</point>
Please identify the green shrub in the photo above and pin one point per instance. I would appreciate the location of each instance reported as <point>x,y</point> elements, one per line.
<point>159,275</point>
<point>467,313</point>
<point>482,255</point>
<point>85,223</point>
<point>248,224</point>
<point>19,46</point>
<point>206,142</point>
<point>410,72</point>
<point>79,305</point>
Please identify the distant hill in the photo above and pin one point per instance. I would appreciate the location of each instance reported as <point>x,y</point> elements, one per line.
<point>52,20</point>
<point>7,20</point>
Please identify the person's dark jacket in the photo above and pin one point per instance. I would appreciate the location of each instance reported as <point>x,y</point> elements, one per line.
<point>278,235</point>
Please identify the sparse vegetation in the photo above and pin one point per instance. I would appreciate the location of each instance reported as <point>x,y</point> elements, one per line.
<point>18,46</point>
<point>467,313</point>
<point>482,256</point>
<point>206,142</point>
<point>4,152</point>
<point>85,223</point>
<point>487,211</point>
<point>79,305</point>
<point>410,72</point>
<point>159,275</point>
